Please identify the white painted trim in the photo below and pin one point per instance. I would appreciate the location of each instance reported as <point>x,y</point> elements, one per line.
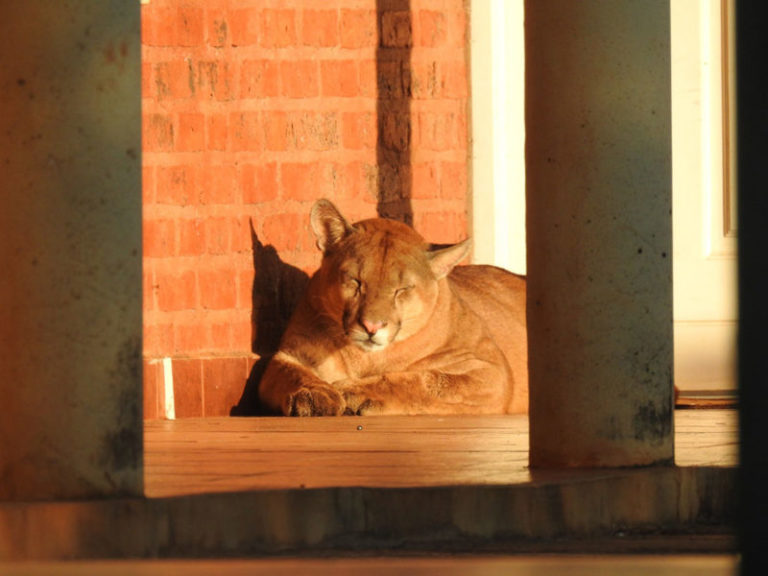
<point>498,133</point>
<point>170,401</point>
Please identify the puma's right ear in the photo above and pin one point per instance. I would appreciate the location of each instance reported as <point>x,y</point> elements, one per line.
<point>328,225</point>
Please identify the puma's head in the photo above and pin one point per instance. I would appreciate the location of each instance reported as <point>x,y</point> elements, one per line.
<point>379,278</point>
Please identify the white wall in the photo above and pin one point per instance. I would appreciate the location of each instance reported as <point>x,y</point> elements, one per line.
<point>498,133</point>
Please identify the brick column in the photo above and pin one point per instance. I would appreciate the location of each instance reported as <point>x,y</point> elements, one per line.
<point>599,232</point>
<point>70,215</point>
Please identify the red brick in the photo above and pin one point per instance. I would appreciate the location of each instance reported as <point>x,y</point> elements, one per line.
<point>219,184</point>
<point>456,28</point>
<point>425,181</point>
<point>176,290</point>
<point>191,132</point>
<point>172,26</point>
<point>151,28</point>
<point>431,28</point>
<point>300,181</point>
<point>242,333</point>
<point>339,78</point>
<point>159,238</point>
<point>259,182</point>
<point>453,180</point>
<point>313,131</point>
<point>148,184</point>
<point>441,227</point>
<point>352,179</point>
<point>247,132</point>
<point>173,79</point>
<point>320,28</point>
<point>218,28</point>
<point>148,295</point>
<point>390,80</point>
<point>191,237</point>
<point>424,82</point>
<point>157,132</point>
<point>396,29</point>
<point>215,80</point>
<point>452,79</point>
<point>221,337</point>
<point>158,339</point>
<point>189,27</point>
<point>259,79</point>
<point>440,131</point>
<point>368,78</point>
<point>147,80</point>
<point>218,132</point>
<point>188,388</point>
<point>217,233</point>
<point>224,381</point>
<point>244,26</point>
<point>278,28</point>
<point>300,79</point>
<point>282,231</point>
<point>245,289</point>
<point>218,290</point>
<point>359,130</point>
<point>395,131</point>
<point>152,378</point>
<point>358,28</point>
<point>240,237</point>
<point>275,125</point>
<point>177,185</point>
<point>190,338</point>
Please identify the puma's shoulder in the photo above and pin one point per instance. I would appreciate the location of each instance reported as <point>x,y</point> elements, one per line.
<point>498,298</point>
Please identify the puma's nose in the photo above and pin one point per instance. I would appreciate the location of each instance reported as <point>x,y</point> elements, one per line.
<point>371,327</point>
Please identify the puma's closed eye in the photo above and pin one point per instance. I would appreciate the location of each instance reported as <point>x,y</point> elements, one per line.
<point>352,282</point>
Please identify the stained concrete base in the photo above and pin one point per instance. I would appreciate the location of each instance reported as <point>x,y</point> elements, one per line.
<point>659,506</point>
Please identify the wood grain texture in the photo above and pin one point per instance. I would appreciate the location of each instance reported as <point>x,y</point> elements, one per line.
<point>201,455</point>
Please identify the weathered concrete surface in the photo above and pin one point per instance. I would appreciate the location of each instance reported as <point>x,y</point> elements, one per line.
<point>582,506</point>
<point>70,256</point>
<point>599,232</point>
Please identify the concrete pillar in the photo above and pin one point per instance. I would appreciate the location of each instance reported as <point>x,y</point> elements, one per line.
<point>70,250</point>
<point>599,230</point>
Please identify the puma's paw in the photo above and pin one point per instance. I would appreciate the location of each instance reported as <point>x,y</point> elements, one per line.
<point>359,404</point>
<point>316,401</point>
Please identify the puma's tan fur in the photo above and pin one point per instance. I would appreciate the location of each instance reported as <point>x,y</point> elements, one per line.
<point>389,325</point>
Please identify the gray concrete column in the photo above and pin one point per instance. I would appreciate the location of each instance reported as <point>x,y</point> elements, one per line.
<point>70,250</point>
<point>599,232</point>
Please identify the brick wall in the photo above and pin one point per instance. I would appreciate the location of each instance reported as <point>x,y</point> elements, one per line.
<point>251,111</point>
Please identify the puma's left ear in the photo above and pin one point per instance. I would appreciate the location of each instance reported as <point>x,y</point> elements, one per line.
<point>328,225</point>
<point>443,260</point>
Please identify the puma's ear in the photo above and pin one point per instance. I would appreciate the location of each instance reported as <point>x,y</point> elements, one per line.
<point>442,260</point>
<point>328,225</point>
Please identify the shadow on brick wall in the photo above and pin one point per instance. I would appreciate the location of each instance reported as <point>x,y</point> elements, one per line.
<point>393,109</point>
<point>277,287</point>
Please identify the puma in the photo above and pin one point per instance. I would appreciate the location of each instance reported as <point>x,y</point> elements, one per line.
<point>392,325</point>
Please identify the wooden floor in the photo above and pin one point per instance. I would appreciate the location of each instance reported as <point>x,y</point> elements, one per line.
<point>193,456</point>
<point>707,565</point>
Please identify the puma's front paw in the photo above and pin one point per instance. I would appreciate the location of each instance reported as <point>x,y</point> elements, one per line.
<point>315,401</point>
<point>357,400</point>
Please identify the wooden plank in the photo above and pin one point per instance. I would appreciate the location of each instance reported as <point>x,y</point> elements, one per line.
<point>480,565</point>
<point>200,455</point>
